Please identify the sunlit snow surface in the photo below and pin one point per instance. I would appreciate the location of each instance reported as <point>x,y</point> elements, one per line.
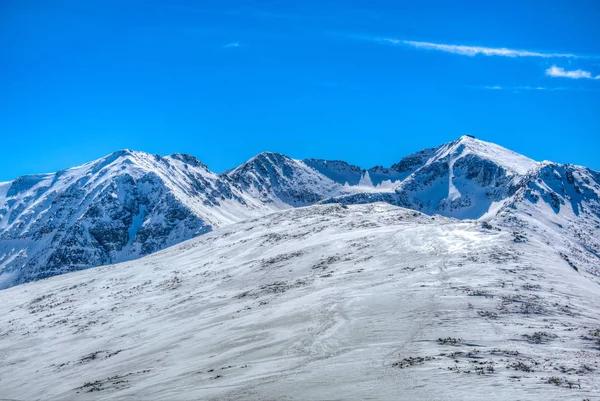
<point>324,302</point>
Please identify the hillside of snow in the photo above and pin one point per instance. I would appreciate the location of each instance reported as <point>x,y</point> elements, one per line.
<point>321,302</point>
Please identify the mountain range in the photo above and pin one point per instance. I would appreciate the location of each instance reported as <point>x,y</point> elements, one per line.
<point>130,204</point>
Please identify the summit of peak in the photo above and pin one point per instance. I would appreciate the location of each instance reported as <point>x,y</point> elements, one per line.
<point>275,155</point>
<point>469,145</point>
<point>188,159</point>
<point>262,161</point>
<point>127,156</point>
<point>472,142</point>
<point>266,157</point>
<point>124,153</point>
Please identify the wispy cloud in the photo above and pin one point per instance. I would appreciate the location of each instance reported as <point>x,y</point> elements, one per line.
<point>558,72</point>
<point>474,50</point>
<point>534,88</point>
<point>513,88</point>
<point>232,45</point>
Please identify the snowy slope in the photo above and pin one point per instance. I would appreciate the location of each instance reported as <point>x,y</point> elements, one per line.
<point>323,302</point>
<point>120,207</point>
<point>336,170</point>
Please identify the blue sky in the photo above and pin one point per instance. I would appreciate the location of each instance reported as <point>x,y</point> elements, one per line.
<point>363,81</point>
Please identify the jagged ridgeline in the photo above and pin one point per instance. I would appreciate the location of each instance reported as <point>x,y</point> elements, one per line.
<point>130,204</point>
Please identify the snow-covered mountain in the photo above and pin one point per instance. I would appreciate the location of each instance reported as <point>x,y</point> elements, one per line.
<point>284,182</point>
<point>321,302</point>
<point>560,202</point>
<point>130,204</point>
<point>117,208</point>
<point>464,179</point>
<point>467,178</point>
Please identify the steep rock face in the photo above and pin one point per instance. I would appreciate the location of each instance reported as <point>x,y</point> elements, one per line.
<point>411,163</point>
<point>379,175</point>
<point>336,170</point>
<point>123,206</point>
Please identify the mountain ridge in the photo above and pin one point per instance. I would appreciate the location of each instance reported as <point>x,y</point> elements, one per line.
<point>129,203</point>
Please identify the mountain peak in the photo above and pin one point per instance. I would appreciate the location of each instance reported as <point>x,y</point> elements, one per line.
<point>119,207</point>
<point>469,145</point>
<point>123,153</point>
<point>279,180</point>
<point>188,159</point>
<point>261,161</point>
<point>144,161</point>
<point>271,156</point>
<point>467,137</point>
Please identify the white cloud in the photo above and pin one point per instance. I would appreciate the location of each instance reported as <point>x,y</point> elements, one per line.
<point>518,88</point>
<point>232,45</point>
<point>475,50</point>
<point>558,72</point>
